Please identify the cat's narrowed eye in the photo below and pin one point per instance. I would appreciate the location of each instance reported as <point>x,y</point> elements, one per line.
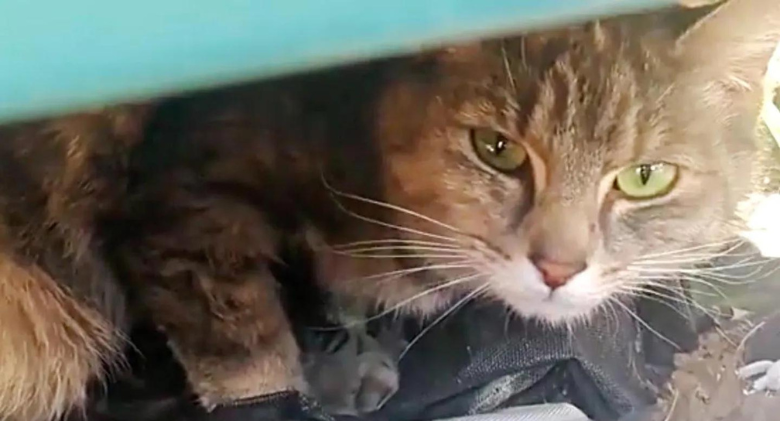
<point>497,151</point>
<point>646,181</point>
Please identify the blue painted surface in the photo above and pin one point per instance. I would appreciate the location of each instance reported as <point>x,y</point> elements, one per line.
<point>58,55</point>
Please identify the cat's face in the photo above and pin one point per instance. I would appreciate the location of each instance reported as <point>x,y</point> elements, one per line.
<point>562,169</point>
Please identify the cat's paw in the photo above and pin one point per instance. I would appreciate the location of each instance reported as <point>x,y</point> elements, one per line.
<point>763,376</point>
<point>354,374</point>
<point>378,380</point>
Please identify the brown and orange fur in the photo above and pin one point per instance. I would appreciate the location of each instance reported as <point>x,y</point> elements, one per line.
<point>182,209</point>
<point>62,311</point>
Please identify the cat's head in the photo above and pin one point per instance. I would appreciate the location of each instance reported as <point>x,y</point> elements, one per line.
<point>559,169</point>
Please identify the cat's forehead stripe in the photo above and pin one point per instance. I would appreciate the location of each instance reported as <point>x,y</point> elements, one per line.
<point>585,95</point>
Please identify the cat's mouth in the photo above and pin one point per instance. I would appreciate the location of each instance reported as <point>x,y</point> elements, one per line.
<point>528,296</point>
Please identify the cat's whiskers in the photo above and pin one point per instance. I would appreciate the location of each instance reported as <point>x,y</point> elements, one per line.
<point>401,304</point>
<point>396,274</point>
<point>453,308</point>
<point>669,285</point>
<point>715,273</point>
<point>693,258</point>
<point>699,252</point>
<point>390,206</point>
<point>401,256</point>
<point>646,325</point>
<point>665,287</point>
<point>508,68</point>
<point>670,282</point>
<point>677,296</point>
<point>647,275</point>
<point>460,238</point>
<point>668,301</point>
<point>388,241</point>
<point>394,226</point>
<point>656,288</point>
<point>715,252</point>
<point>713,245</point>
<point>721,273</point>
<point>443,286</point>
<point>402,251</point>
<point>611,313</point>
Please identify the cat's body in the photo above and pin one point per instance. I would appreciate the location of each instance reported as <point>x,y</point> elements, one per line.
<point>514,170</point>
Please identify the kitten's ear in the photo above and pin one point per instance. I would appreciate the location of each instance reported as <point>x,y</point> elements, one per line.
<point>732,46</point>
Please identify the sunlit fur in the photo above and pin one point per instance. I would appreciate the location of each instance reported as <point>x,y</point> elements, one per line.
<point>51,346</point>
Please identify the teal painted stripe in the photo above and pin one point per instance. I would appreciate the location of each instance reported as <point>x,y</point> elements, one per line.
<point>59,55</point>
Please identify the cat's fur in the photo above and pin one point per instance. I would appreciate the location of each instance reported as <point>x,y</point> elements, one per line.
<point>193,200</point>
<point>62,312</point>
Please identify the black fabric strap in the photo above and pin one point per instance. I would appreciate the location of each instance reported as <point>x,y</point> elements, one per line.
<point>283,406</point>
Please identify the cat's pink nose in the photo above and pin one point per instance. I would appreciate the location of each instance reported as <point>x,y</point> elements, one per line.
<point>557,274</point>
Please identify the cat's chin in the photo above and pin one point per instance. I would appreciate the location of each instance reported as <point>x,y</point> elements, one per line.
<point>551,311</point>
<point>553,314</point>
<point>528,297</point>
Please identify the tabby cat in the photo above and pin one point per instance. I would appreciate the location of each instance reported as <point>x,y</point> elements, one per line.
<point>551,171</point>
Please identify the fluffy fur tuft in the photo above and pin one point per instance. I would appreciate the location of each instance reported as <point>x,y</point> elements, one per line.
<point>51,346</point>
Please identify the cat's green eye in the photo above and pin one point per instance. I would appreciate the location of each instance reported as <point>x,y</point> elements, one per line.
<point>646,181</point>
<point>497,151</point>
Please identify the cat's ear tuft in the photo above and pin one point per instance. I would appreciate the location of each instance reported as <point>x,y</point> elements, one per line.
<point>731,47</point>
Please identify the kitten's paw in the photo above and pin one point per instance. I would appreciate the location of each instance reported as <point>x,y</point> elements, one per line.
<point>354,374</point>
<point>378,381</point>
<point>764,376</point>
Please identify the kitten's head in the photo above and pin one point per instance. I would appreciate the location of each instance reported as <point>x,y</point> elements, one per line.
<point>562,168</point>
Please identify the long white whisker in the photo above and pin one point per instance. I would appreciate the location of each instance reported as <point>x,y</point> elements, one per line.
<point>402,256</point>
<point>718,278</point>
<point>403,251</point>
<point>654,281</point>
<point>657,298</point>
<point>647,326</point>
<point>613,315</point>
<point>682,258</point>
<point>460,303</point>
<point>389,206</point>
<point>694,248</point>
<point>401,304</point>
<point>395,274</point>
<point>677,297</point>
<point>415,248</point>
<point>690,258</point>
<point>717,252</point>
<point>393,226</point>
<point>392,242</point>
<point>714,271</point>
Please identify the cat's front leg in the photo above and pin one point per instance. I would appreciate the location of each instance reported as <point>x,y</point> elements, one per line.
<point>230,333</point>
<point>203,278</point>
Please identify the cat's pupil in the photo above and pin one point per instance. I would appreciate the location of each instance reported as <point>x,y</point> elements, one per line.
<point>499,147</point>
<point>644,173</point>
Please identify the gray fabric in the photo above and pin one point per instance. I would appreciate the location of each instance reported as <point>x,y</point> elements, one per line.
<point>549,412</point>
<point>478,361</point>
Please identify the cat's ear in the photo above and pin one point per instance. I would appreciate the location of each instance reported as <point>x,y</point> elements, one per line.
<point>450,54</point>
<point>729,49</point>
<point>462,52</point>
